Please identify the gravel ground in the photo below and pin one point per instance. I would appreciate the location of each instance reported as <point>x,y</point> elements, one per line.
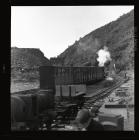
<point>129,122</point>
<point>127,114</point>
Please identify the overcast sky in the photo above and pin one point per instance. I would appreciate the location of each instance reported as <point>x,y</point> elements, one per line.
<point>54,28</point>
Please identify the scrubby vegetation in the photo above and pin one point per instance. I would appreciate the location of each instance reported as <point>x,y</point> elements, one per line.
<point>118,36</point>
<point>27,58</point>
<point>25,64</point>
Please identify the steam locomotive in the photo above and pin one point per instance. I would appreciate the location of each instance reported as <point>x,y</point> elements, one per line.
<point>28,107</point>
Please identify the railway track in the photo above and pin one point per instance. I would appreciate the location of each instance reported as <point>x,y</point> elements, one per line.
<point>101,94</point>
<point>104,92</point>
<point>66,111</point>
<point>89,102</point>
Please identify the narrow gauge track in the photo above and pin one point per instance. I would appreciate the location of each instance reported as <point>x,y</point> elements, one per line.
<point>69,114</point>
<point>100,94</point>
<point>104,92</point>
<point>67,110</point>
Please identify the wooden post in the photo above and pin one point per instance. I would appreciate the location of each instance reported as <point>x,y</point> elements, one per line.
<point>47,78</point>
<point>70,91</point>
<point>61,92</point>
<point>34,105</point>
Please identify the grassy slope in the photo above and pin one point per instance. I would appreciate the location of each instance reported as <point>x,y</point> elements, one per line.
<point>117,35</point>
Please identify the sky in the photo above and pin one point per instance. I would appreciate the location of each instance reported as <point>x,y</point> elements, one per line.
<point>53,28</point>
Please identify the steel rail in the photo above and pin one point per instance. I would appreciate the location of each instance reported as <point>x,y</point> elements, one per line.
<point>103,92</point>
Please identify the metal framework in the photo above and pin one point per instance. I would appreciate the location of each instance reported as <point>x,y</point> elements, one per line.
<point>69,75</point>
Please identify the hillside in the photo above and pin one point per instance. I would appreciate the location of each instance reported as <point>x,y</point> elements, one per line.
<point>118,36</point>
<point>25,63</point>
<point>27,58</point>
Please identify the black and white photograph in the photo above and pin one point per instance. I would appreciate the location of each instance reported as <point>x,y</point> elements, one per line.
<point>72,68</point>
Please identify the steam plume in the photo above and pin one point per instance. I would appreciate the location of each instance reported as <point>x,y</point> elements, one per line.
<point>103,56</point>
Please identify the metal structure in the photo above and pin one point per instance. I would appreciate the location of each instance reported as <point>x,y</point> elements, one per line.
<point>29,107</point>
<point>69,75</point>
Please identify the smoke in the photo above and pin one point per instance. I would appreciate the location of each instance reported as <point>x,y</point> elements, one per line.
<point>103,56</point>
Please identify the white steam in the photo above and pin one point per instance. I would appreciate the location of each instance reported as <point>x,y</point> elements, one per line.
<point>103,56</point>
